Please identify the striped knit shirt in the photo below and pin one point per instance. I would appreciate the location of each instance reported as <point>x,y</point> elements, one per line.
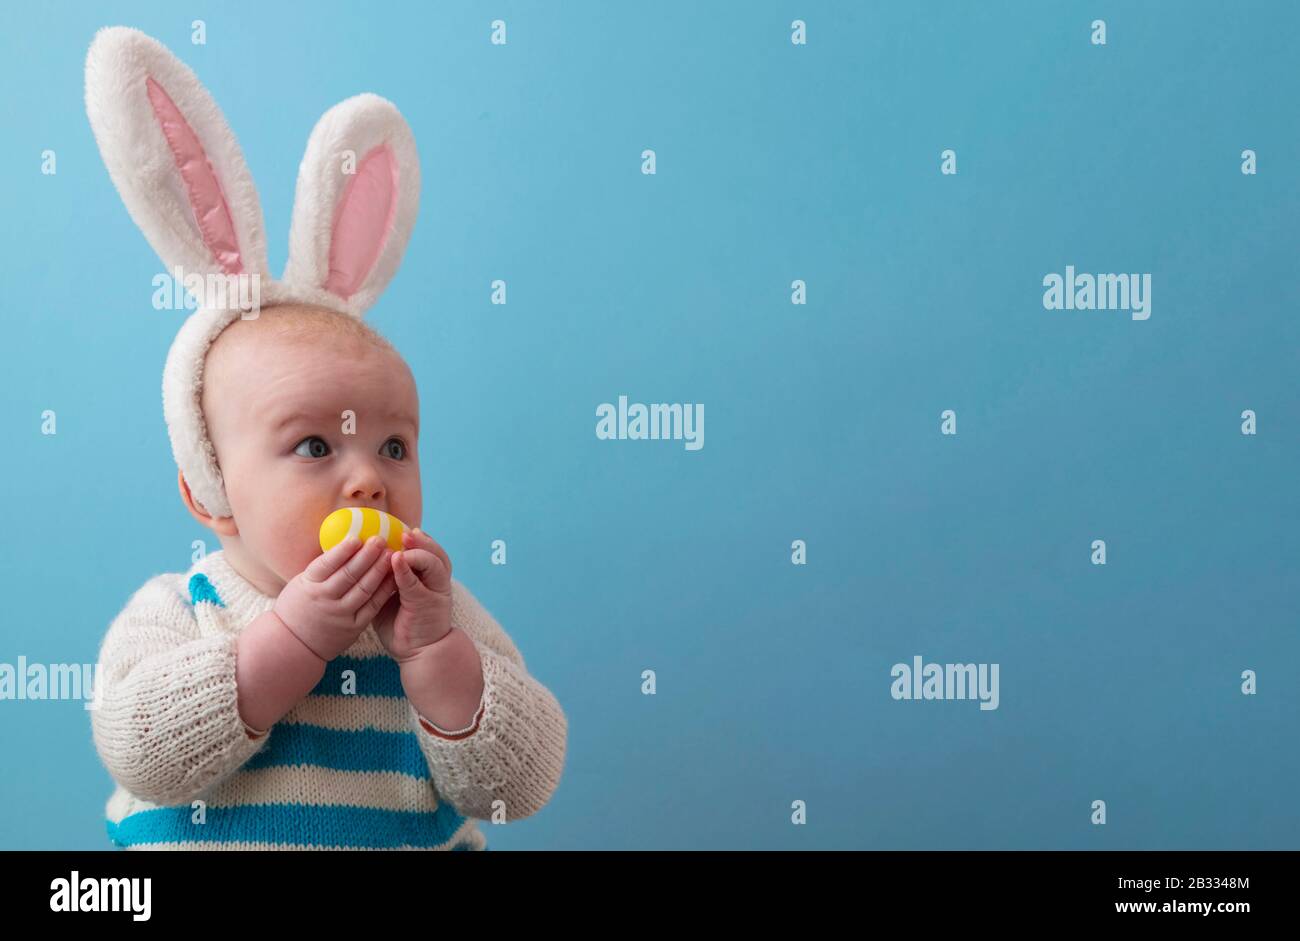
<point>351,766</point>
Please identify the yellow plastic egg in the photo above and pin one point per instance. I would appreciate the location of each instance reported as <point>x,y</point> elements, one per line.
<point>362,522</point>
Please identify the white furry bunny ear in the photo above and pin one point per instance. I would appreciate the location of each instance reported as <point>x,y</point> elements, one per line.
<point>172,157</point>
<point>355,205</point>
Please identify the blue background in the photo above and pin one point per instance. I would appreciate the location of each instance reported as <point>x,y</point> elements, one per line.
<point>775,162</point>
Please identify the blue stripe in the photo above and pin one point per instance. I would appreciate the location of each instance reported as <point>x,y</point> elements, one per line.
<point>306,824</point>
<point>369,749</point>
<point>375,676</point>
<point>202,590</point>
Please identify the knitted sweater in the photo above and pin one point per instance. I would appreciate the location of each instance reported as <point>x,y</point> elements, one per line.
<point>351,766</point>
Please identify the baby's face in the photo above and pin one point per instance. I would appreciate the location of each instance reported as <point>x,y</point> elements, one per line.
<point>275,408</point>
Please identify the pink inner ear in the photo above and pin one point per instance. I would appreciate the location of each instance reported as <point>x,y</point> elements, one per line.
<point>362,221</point>
<point>208,203</point>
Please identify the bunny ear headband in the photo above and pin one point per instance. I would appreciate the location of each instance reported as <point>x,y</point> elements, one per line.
<point>182,177</point>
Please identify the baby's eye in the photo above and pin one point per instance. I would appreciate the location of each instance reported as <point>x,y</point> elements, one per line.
<point>316,445</point>
<point>401,448</point>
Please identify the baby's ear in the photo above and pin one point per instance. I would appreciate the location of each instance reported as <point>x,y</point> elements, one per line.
<point>222,525</point>
<point>355,205</point>
<point>172,157</point>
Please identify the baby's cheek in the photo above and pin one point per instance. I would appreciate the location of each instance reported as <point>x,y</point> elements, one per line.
<point>290,560</point>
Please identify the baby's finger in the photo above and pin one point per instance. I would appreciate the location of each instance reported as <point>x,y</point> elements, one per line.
<point>408,567</point>
<point>407,579</point>
<point>351,573</point>
<point>370,610</point>
<point>422,540</point>
<point>364,589</point>
<point>428,568</point>
<point>327,563</point>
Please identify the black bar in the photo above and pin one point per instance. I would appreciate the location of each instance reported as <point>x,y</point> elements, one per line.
<point>328,889</point>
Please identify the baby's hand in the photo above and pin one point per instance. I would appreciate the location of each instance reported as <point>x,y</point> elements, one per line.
<point>335,598</point>
<point>421,614</point>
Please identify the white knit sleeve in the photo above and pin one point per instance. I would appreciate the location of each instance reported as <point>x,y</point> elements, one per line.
<point>516,754</point>
<point>167,724</point>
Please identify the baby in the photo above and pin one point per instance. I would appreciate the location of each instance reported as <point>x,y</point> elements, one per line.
<point>355,698</point>
<point>274,696</point>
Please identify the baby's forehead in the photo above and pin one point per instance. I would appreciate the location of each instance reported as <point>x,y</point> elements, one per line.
<point>296,360</point>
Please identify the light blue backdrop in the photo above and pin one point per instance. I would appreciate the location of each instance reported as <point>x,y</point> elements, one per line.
<point>775,162</point>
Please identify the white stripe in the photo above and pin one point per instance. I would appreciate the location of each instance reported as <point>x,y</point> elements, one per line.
<point>383,525</point>
<point>367,644</point>
<point>384,790</point>
<point>343,713</point>
<point>355,528</point>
